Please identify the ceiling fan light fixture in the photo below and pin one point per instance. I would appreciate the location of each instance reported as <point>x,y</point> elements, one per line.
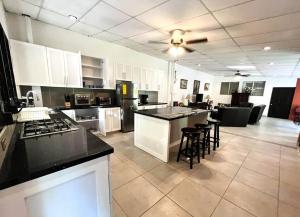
<point>271,63</point>
<point>176,51</point>
<point>267,48</point>
<point>72,17</point>
<point>199,64</point>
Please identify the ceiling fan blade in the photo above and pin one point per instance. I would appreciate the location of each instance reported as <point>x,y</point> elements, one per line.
<point>157,42</point>
<point>196,41</point>
<point>166,50</point>
<point>189,50</point>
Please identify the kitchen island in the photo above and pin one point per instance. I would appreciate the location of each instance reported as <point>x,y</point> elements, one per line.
<point>63,174</point>
<point>156,130</point>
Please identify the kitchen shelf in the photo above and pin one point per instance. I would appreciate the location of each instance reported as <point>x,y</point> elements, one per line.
<point>92,77</point>
<point>88,120</point>
<point>91,66</point>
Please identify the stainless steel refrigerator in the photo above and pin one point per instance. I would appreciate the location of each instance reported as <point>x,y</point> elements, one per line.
<point>127,99</point>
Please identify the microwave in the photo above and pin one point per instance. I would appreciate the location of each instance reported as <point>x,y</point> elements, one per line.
<point>82,99</point>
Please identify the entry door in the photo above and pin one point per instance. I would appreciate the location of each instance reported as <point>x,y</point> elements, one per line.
<point>281,101</point>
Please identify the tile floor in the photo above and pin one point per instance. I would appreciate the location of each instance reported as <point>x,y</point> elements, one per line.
<point>245,177</point>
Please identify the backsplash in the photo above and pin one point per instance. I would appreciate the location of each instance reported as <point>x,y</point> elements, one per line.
<point>54,96</point>
<point>152,95</point>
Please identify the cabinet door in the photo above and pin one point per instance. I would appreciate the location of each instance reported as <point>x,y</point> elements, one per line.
<point>29,63</point>
<point>56,67</point>
<point>144,81</point>
<point>107,120</point>
<point>119,71</point>
<point>73,69</point>
<point>109,75</point>
<point>128,73</point>
<point>136,76</point>
<point>115,119</point>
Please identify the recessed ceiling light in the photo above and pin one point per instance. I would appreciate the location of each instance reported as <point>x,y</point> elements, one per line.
<point>271,63</point>
<point>267,48</point>
<point>199,64</point>
<point>242,67</point>
<point>73,18</point>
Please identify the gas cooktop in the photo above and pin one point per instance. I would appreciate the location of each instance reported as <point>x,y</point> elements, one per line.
<point>46,127</point>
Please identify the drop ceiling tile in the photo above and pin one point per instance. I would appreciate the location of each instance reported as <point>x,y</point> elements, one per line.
<point>131,28</point>
<point>269,37</point>
<point>34,2</point>
<point>55,19</point>
<point>66,7</point>
<point>150,36</point>
<point>276,46</point>
<point>85,29</point>
<point>214,5</point>
<point>104,16</point>
<point>201,23</point>
<point>256,10</point>
<point>172,12</point>
<point>21,7</point>
<point>280,23</point>
<point>127,43</point>
<point>136,6</point>
<point>108,36</point>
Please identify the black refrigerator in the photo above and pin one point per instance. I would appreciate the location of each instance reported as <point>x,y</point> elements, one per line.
<point>127,99</point>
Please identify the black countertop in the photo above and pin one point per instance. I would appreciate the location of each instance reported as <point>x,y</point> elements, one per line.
<point>153,103</point>
<point>85,107</point>
<point>171,113</point>
<point>35,157</point>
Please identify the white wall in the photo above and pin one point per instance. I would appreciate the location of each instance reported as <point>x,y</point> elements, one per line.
<point>3,17</point>
<point>265,99</point>
<point>55,37</point>
<point>190,75</point>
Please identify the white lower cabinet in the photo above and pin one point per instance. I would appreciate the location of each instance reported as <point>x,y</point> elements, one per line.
<point>109,120</point>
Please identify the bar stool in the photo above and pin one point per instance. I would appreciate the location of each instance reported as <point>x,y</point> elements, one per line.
<point>205,129</point>
<point>192,134</point>
<point>216,137</point>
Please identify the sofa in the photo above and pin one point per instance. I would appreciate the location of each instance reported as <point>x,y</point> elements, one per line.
<point>256,114</point>
<point>233,116</point>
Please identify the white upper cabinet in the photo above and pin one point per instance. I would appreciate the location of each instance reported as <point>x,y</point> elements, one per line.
<point>109,75</point>
<point>73,69</point>
<point>56,66</point>
<point>136,76</point>
<point>123,71</point>
<point>29,63</point>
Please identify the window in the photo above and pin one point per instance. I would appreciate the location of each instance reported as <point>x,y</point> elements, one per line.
<point>227,88</point>
<point>257,87</point>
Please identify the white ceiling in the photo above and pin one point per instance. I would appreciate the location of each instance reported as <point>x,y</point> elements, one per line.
<point>237,30</point>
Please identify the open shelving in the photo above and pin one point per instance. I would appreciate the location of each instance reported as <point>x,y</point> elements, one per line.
<point>92,72</point>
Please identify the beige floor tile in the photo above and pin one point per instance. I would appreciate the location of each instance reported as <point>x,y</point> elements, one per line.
<point>121,174</point>
<point>286,210</point>
<point>289,194</point>
<point>117,211</point>
<point>263,168</point>
<point>211,179</point>
<point>258,181</point>
<point>252,200</point>
<point>196,199</point>
<point>142,164</point>
<point>227,209</point>
<point>263,158</point>
<point>229,156</point>
<point>166,208</point>
<point>228,169</point>
<point>290,176</point>
<point>164,177</point>
<point>114,160</point>
<point>137,196</point>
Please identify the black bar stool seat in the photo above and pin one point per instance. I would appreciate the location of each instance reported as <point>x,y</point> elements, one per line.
<point>193,135</point>
<point>216,137</point>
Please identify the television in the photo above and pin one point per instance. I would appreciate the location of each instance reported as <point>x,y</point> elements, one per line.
<point>8,92</point>
<point>199,97</point>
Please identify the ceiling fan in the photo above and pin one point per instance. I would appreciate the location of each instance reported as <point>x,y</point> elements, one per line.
<point>241,75</point>
<point>178,44</point>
